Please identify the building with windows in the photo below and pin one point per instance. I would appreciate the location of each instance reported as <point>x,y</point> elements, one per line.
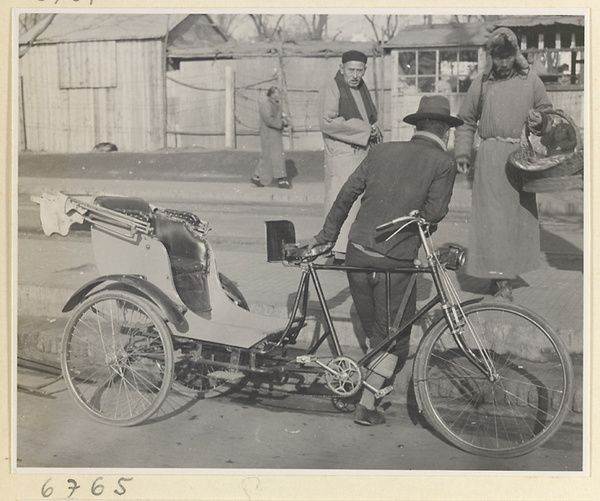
<point>445,58</point>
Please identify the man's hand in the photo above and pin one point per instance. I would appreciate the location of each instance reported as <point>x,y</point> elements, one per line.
<point>538,122</point>
<point>463,164</point>
<point>312,245</point>
<point>308,243</point>
<point>376,136</point>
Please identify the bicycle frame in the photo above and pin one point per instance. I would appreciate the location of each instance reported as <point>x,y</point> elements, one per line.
<point>310,273</point>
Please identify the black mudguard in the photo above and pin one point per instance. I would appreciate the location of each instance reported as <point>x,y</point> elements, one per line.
<point>137,285</point>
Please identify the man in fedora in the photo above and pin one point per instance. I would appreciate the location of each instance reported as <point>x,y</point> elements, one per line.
<point>348,121</point>
<point>394,179</point>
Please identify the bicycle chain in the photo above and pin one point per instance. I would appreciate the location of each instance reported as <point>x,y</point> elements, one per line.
<point>270,390</point>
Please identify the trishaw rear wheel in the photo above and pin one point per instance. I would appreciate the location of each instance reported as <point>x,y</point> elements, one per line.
<point>117,357</point>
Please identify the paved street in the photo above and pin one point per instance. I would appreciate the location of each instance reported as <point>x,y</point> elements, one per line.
<point>252,430</point>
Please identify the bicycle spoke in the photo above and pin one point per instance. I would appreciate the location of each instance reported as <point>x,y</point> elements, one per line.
<point>117,358</point>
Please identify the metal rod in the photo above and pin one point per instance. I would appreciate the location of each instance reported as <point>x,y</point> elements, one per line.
<point>323,302</point>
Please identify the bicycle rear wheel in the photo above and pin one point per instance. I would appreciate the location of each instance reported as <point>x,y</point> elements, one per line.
<point>505,416</point>
<point>117,358</point>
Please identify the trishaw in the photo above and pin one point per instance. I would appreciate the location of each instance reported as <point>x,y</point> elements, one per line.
<point>492,378</point>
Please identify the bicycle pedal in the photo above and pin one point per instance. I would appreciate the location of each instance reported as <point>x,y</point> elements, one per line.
<point>305,359</point>
<point>383,392</point>
<point>229,376</point>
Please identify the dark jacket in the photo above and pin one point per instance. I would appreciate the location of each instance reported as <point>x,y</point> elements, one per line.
<point>394,178</point>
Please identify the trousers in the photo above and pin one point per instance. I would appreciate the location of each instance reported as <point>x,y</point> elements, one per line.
<point>368,291</point>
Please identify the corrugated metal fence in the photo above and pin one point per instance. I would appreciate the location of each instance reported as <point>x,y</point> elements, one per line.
<point>74,96</point>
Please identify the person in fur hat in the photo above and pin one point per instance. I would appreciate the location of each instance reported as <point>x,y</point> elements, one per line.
<point>504,240</point>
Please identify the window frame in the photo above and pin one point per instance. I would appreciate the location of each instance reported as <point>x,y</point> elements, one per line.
<point>416,76</point>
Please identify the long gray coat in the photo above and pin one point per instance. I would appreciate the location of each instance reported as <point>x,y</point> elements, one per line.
<point>346,145</point>
<point>504,239</point>
<point>272,160</point>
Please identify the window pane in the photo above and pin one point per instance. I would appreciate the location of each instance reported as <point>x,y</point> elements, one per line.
<point>446,84</point>
<point>448,62</point>
<point>407,63</point>
<point>427,62</point>
<point>468,63</point>
<point>407,85</point>
<point>448,55</point>
<point>468,56</point>
<point>426,84</point>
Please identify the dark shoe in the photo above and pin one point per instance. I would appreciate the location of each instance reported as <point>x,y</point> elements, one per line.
<point>283,183</point>
<point>255,180</point>
<point>502,289</point>
<point>368,417</point>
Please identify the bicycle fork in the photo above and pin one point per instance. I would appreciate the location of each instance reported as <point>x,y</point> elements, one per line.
<point>459,324</point>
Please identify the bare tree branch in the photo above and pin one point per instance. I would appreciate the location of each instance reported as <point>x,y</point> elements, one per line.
<point>41,27</point>
<point>384,32</point>
<point>371,21</point>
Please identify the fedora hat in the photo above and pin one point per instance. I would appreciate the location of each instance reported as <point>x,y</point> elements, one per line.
<point>433,108</point>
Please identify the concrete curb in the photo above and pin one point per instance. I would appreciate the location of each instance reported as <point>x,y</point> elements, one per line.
<point>568,203</point>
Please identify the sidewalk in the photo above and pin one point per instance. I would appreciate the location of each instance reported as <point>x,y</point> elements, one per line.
<point>311,193</point>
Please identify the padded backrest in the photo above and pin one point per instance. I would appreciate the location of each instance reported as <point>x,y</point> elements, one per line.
<point>187,251</point>
<point>123,203</point>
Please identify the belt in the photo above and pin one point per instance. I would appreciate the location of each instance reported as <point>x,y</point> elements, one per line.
<point>513,140</point>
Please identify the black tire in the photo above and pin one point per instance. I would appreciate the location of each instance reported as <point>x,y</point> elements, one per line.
<point>234,293</point>
<point>117,357</point>
<point>515,413</point>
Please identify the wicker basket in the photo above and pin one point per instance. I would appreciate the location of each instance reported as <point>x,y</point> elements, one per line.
<point>542,173</point>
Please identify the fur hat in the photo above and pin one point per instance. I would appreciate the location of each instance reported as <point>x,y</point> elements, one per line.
<point>433,108</point>
<point>504,43</point>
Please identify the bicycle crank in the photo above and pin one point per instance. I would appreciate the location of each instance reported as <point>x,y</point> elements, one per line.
<point>343,376</point>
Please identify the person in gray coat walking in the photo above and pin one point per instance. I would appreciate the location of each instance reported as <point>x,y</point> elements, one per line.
<point>272,162</point>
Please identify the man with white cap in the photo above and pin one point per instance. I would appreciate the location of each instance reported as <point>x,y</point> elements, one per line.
<point>348,121</point>
<point>394,179</point>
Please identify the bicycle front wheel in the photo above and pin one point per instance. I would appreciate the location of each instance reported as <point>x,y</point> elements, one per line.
<point>508,412</point>
<point>117,358</point>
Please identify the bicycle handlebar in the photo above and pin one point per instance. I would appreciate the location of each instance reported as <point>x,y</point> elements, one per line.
<point>413,216</point>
